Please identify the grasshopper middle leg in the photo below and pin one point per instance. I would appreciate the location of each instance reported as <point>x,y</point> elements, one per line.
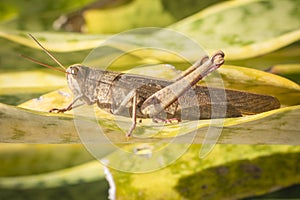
<point>132,96</point>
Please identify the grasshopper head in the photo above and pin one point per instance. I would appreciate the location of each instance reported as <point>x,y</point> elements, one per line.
<point>76,76</point>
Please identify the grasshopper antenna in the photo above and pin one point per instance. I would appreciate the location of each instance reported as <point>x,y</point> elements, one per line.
<point>46,51</point>
<point>43,64</point>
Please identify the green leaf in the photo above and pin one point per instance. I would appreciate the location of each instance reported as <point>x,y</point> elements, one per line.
<point>244,29</point>
<point>19,159</point>
<point>157,13</point>
<point>34,15</point>
<point>87,179</point>
<point>291,71</point>
<point>17,87</point>
<point>229,172</point>
<point>16,128</point>
<point>286,55</point>
<point>234,77</point>
<point>60,42</point>
<point>8,12</point>
<point>87,172</point>
<point>37,79</point>
<point>149,14</point>
<point>212,28</point>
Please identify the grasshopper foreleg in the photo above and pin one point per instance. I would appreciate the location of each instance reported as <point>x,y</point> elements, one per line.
<point>69,107</point>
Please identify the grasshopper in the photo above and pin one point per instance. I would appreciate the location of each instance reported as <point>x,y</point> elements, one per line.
<point>114,93</point>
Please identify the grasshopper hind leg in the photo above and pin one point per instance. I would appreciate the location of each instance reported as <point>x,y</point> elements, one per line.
<point>192,68</point>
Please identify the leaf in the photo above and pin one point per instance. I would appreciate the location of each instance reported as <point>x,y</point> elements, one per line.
<point>247,39</point>
<point>23,15</point>
<point>286,69</point>
<point>19,159</point>
<point>149,14</point>
<point>286,55</point>
<point>158,13</point>
<point>238,130</point>
<point>244,29</point>
<point>87,172</point>
<point>245,166</point>
<point>60,42</point>
<point>17,87</point>
<point>229,172</point>
<point>87,179</point>
<point>8,12</point>
<point>291,71</point>
<point>22,130</point>
<point>37,79</point>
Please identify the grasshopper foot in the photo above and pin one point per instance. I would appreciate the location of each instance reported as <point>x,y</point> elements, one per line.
<point>128,134</point>
<point>57,110</point>
<point>166,121</point>
<point>133,125</point>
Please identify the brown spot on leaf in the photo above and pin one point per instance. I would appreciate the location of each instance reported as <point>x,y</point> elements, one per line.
<point>251,169</point>
<point>223,170</point>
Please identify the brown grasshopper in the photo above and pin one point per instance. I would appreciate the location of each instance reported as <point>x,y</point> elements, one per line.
<point>148,97</point>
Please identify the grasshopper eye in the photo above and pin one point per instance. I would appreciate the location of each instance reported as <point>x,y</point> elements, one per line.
<point>74,71</point>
